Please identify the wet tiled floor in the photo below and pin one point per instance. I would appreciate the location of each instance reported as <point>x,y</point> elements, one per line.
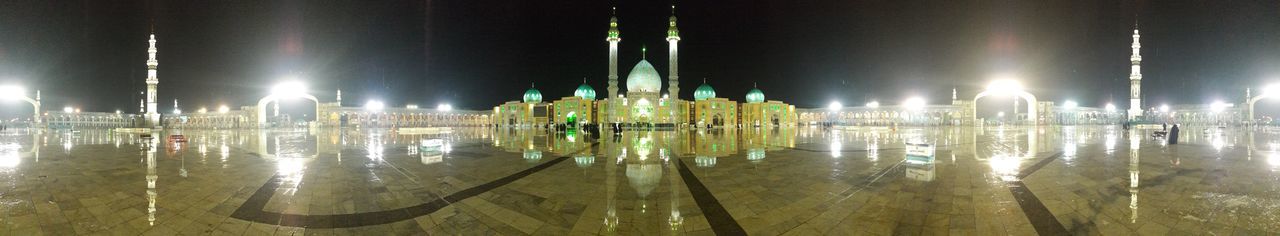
<point>1086,180</point>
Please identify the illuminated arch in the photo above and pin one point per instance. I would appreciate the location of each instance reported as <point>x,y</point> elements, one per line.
<point>1030,99</point>
<point>262,106</point>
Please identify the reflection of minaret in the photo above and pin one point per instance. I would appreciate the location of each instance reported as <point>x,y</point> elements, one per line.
<point>151,180</point>
<point>613,54</point>
<point>676,220</point>
<point>153,117</point>
<point>610,192</point>
<point>1133,175</point>
<point>673,37</point>
<point>1135,77</point>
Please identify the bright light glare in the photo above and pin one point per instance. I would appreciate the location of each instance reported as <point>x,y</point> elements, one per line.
<point>223,109</point>
<point>1164,108</point>
<point>444,107</point>
<point>68,109</point>
<point>411,106</point>
<point>1070,104</point>
<point>1218,106</point>
<point>1000,114</point>
<point>12,92</point>
<point>289,88</point>
<point>202,110</point>
<point>374,105</point>
<point>914,104</point>
<point>873,104</point>
<point>834,106</point>
<point>1111,107</point>
<point>1004,86</point>
<point>1271,89</point>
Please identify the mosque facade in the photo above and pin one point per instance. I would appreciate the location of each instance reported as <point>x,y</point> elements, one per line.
<point>644,103</point>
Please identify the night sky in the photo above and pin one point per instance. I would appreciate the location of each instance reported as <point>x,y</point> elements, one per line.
<point>479,53</point>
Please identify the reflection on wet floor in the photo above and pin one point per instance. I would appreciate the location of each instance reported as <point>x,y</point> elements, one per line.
<point>985,181</point>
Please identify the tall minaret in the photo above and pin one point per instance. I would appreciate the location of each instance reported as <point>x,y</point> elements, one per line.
<point>613,53</point>
<point>673,37</point>
<point>1135,78</point>
<point>153,117</point>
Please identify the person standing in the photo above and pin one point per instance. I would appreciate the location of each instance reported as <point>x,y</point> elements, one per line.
<point>1173,135</point>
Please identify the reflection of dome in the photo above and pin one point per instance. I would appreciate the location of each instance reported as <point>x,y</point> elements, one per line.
<point>755,95</point>
<point>704,92</point>
<point>532,155</point>
<point>585,91</point>
<point>705,161</point>
<point>532,95</point>
<point>755,154</point>
<point>644,78</point>
<point>584,161</point>
<point>644,177</point>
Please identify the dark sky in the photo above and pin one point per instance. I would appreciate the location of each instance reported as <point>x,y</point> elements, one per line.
<point>479,53</point>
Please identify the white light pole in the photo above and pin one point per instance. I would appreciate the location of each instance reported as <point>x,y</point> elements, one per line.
<point>14,92</point>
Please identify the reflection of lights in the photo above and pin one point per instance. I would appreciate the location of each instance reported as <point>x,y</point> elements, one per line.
<point>9,155</point>
<point>1274,161</point>
<point>873,151</point>
<point>532,155</point>
<point>835,148</point>
<point>1218,142</point>
<point>1069,150</point>
<point>1110,143</point>
<point>290,169</point>
<point>1005,166</point>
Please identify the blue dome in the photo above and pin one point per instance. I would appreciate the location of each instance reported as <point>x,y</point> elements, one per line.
<point>755,95</point>
<point>532,95</point>
<point>585,91</point>
<point>704,92</point>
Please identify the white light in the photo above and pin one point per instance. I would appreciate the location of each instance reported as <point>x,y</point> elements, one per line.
<point>873,104</point>
<point>117,112</point>
<point>177,111</point>
<point>289,88</point>
<point>12,92</point>
<point>1004,86</point>
<point>411,106</point>
<point>1164,108</point>
<point>77,110</point>
<point>68,109</point>
<point>1070,104</point>
<point>1001,114</point>
<point>223,109</point>
<point>1111,107</point>
<point>1273,89</point>
<point>834,106</point>
<point>444,107</point>
<point>203,110</point>
<point>1218,106</point>
<point>374,105</point>
<point>914,104</point>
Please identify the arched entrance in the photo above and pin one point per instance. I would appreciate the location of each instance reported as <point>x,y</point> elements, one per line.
<point>1254,100</point>
<point>571,119</point>
<point>642,111</point>
<point>717,120</point>
<point>262,106</point>
<point>1027,97</point>
<point>774,119</point>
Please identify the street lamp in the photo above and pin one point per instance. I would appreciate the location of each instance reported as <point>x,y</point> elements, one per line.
<point>1070,104</point>
<point>1111,107</point>
<point>1164,108</point>
<point>202,110</point>
<point>411,106</point>
<point>68,110</point>
<point>1217,106</point>
<point>289,88</point>
<point>444,107</point>
<point>1004,86</point>
<point>223,109</point>
<point>834,106</point>
<point>914,104</point>
<point>12,92</point>
<point>873,104</point>
<point>374,105</point>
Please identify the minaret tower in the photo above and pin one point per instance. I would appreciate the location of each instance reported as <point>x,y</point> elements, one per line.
<point>673,37</point>
<point>613,53</point>
<point>1135,77</point>
<point>153,117</point>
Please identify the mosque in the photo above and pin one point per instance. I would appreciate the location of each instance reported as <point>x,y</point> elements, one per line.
<point>644,103</point>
